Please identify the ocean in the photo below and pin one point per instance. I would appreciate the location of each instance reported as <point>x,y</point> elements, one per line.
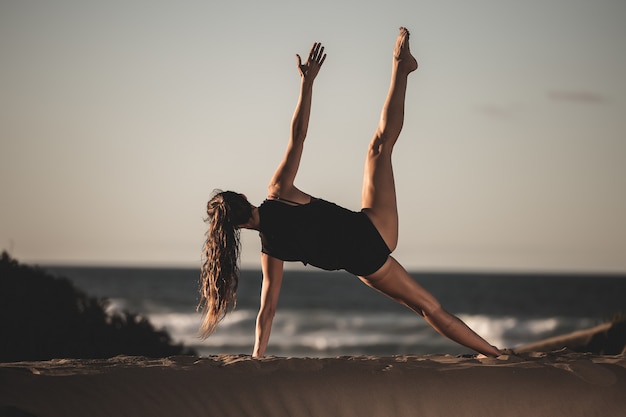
<point>328,314</point>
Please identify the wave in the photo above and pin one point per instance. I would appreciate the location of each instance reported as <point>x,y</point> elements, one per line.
<point>514,331</point>
<point>325,333</point>
<point>322,314</point>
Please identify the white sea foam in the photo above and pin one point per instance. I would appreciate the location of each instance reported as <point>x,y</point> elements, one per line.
<point>325,314</point>
<point>116,305</point>
<point>320,333</point>
<point>512,331</point>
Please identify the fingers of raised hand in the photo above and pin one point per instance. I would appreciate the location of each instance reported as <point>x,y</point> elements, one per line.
<point>317,54</point>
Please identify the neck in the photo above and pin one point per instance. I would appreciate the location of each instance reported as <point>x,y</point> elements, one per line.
<point>255,221</point>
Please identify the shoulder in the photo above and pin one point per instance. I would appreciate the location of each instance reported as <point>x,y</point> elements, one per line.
<point>291,194</point>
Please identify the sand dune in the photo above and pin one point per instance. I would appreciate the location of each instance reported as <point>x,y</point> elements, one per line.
<point>561,383</point>
<point>532,381</point>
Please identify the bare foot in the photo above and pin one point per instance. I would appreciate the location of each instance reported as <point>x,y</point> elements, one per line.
<point>402,54</point>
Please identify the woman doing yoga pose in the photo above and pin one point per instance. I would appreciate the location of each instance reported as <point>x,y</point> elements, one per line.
<point>295,226</point>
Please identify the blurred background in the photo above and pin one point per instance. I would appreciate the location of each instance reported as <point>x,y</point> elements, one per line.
<point>118,119</point>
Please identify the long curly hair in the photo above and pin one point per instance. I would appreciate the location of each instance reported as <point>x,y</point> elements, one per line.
<point>219,275</point>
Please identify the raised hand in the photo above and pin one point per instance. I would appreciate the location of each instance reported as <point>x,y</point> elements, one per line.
<point>311,67</point>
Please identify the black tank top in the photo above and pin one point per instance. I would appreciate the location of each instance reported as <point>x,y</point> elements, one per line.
<point>322,234</point>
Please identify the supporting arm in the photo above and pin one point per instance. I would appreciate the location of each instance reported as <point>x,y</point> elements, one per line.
<point>270,290</point>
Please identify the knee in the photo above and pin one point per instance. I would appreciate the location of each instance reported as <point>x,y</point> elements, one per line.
<point>431,308</point>
<point>375,146</point>
<point>379,144</point>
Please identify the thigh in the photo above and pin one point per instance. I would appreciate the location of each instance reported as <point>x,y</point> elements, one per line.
<point>378,199</point>
<point>396,283</point>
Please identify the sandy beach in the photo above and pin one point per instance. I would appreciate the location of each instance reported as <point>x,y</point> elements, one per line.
<point>577,374</point>
<point>558,383</point>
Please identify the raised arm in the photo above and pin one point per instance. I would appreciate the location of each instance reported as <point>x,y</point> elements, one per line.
<point>272,280</point>
<point>282,183</point>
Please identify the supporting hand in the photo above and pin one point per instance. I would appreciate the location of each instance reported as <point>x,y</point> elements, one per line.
<point>308,70</point>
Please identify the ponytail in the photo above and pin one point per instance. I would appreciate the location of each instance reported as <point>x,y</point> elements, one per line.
<point>219,274</point>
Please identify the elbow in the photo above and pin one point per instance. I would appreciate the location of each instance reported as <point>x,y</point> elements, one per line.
<point>266,315</point>
<point>298,131</point>
<point>298,136</point>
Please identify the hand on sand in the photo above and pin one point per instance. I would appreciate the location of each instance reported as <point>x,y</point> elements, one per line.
<point>311,67</point>
<point>402,53</point>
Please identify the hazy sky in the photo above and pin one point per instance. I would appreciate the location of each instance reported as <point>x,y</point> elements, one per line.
<point>118,119</point>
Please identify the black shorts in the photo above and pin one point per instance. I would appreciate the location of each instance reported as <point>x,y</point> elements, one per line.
<point>367,252</point>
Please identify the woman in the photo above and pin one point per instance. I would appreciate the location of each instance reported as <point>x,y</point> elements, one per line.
<point>295,226</point>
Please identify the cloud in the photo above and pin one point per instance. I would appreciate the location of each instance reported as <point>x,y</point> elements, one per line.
<point>576,96</point>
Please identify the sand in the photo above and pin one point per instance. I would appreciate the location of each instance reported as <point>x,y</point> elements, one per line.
<point>560,383</point>
<point>550,378</point>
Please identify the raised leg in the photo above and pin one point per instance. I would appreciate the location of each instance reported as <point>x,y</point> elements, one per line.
<point>379,202</point>
<point>378,198</point>
<point>393,281</point>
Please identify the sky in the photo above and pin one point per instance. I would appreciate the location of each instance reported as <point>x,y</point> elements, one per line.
<point>119,118</point>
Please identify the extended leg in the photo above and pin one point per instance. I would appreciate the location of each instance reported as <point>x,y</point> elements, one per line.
<point>379,202</point>
<point>379,194</point>
<point>393,281</point>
